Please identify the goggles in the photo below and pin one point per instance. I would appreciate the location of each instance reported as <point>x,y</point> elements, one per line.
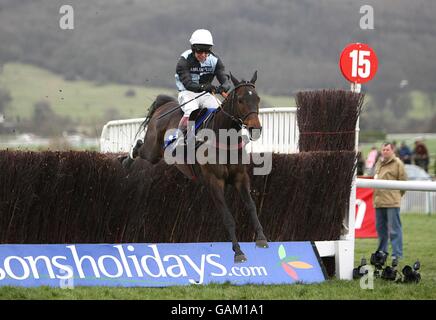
<point>201,49</point>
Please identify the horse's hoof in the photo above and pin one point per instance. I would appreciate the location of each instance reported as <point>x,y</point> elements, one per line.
<point>262,244</point>
<point>240,258</point>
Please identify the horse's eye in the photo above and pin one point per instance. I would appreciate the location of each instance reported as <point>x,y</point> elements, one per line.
<point>240,101</point>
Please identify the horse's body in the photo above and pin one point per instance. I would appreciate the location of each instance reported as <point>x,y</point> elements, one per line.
<point>241,107</point>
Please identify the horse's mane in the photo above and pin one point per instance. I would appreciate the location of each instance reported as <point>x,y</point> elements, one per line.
<point>160,101</point>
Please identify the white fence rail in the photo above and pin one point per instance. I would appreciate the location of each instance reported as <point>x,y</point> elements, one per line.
<point>118,135</point>
<point>418,202</point>
<point>413,201</point>
<point>279,133</point>
<point>397,185</point>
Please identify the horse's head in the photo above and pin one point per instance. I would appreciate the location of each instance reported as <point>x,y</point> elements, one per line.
<point>245,105</point>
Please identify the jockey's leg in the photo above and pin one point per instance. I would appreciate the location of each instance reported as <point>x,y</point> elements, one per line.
<point>209,101</point>
<point>183,125</point>
<point>181,131</point>
<point>187,108</point>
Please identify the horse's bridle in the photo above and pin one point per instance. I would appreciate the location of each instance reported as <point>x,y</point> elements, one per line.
<point>232,95</point>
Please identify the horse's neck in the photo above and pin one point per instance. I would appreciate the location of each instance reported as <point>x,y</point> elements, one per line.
<point>222,120</point>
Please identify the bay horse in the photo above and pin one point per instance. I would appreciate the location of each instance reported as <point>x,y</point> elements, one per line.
<point>239,109</point>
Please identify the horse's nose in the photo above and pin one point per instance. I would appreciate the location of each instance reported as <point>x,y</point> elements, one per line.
<point>255,133</point>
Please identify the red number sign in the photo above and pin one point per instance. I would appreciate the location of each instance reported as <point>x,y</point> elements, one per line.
<point>358,63</point>
<point>365,214</point>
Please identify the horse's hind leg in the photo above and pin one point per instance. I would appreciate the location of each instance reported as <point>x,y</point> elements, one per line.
<point>243,186</point>
<point>216,189</point>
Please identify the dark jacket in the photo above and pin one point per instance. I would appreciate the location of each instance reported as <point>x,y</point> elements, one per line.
<point>192,75</point>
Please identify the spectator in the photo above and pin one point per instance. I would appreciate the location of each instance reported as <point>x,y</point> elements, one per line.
<point>371,160</point>
<point>420,155</point>
<point>405,154</point>
<point>387,202</point>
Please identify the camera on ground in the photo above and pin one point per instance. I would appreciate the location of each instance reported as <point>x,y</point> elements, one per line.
<point>411,274</point>
<point>360,271</point>
<point>378,259</point>
<point>390,272</point>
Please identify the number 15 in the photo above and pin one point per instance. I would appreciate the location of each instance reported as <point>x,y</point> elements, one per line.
<point>360,65</point>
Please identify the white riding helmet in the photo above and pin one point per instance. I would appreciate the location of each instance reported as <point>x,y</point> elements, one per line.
<point>201,36</point>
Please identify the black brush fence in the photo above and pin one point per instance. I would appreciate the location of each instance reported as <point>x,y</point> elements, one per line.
<point>327,119</point>
<point>87,197</point>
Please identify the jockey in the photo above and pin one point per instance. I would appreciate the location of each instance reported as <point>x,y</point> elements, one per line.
<point>195,71</point>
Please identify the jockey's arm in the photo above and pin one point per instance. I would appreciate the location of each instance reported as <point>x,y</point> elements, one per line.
<point>222,77</point>
<point>182,70</point>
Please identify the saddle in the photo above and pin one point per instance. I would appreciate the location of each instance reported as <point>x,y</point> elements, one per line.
<point>202,117</point>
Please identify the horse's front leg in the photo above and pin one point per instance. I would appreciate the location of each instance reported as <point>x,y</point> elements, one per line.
<point>242,184</point>
<point>216,190</point>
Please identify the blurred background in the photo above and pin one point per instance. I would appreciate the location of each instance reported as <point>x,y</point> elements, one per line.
<point>59,87</point>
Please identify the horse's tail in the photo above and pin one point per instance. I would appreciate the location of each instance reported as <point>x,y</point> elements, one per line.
<point>160,100</point>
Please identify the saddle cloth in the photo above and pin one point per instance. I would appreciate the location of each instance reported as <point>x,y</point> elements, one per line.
<point>201,116</point>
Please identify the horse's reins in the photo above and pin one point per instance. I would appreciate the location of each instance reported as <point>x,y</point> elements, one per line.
<point>225,95</point>
<point>239,121</point>
<point>233,96</point>
<point>166,113</point>
<point>181,105</point>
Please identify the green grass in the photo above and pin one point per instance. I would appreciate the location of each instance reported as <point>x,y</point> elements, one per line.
<point>83,101</point>
<point>80,100</point>
<point>419,242</point>
<point>421,107</point>
<point>278,101</point>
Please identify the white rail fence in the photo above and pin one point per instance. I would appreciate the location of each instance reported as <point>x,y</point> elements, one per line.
<point>418,202</point>
<point>413,201</point>
<point>279,133</point>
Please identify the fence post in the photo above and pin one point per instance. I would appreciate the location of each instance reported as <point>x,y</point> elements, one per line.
<point>428,204</point>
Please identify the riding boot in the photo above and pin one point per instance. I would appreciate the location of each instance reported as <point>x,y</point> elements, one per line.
<point>180,140</point>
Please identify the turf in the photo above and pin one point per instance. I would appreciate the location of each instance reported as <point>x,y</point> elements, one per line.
<point>419,242</point>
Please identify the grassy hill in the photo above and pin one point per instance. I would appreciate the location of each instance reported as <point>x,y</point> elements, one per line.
<point>84,101</point>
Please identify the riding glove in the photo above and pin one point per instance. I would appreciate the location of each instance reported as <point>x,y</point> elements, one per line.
<point>208,87</point>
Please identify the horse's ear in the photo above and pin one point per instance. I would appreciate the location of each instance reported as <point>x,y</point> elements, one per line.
<point>234,80</point>
<point>253,80</point>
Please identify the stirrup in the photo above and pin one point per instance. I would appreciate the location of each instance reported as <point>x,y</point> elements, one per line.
<point>179,142</point>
